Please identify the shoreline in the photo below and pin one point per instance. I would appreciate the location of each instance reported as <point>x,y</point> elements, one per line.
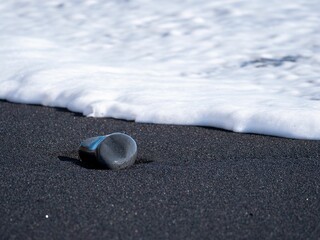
<point>189,182</point>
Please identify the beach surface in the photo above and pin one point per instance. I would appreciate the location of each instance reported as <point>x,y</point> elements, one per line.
<point>188,182</point>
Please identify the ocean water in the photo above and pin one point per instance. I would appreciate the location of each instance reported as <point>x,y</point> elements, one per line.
<point>245,66</point>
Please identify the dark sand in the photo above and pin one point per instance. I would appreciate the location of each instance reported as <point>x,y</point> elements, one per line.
<point>189,182</point>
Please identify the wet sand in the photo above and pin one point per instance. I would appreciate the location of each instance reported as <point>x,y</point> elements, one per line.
<point>188,182</point>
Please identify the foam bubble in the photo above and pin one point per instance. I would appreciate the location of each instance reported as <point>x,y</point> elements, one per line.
<point>243,66</point>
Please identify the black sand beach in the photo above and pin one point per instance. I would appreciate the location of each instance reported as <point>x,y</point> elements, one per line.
<point>188,183</point>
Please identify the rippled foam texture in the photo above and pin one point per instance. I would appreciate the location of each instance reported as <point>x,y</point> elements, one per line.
<point>246,66</point>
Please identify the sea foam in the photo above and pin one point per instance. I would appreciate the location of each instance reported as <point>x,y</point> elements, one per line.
<point>245,66</point>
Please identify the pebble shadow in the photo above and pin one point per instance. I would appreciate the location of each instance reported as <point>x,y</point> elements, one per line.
<point>80,163</point>
<point>89,165</point>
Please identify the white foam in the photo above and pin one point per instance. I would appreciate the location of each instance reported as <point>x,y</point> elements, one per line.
<point>246,66</point>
